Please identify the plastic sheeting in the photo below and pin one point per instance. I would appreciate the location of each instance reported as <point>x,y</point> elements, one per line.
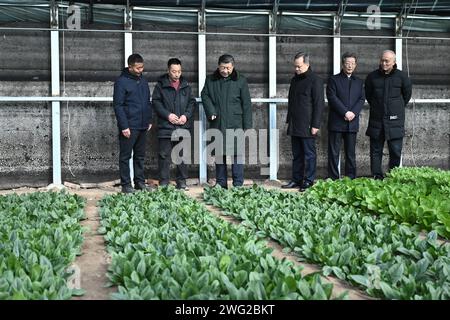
<point>18,11</point>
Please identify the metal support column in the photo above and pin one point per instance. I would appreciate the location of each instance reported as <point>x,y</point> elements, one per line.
<point>128,25</point>
<point>337,53</point>
<point>203,174</point>
<point>56,105</point>
<point>273,132</point>
<point>399,20</point>
<point>399,42</point>
<point>128,50</point>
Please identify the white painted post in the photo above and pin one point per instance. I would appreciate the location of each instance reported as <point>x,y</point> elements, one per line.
<point>55,85</point>
<point>128,46</point>
<point>337,61</point>
<point>203,174</point>
<point>273,132</point>
<point>399,55</point>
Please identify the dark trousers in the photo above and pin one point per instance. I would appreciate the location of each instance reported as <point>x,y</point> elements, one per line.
<point>237,171</point>
<point>304,159</point>
<point>334,148</point>
<point>376,154</point>
<point>164,161</point>
<point>135,144</point>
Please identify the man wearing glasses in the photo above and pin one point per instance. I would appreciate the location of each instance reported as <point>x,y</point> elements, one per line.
<point>227,103</point>
<point>345,95</point>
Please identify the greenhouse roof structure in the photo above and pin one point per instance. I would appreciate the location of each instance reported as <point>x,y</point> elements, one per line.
<point>429,16</point>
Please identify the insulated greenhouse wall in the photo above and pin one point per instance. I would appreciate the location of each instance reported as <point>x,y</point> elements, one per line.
<point>93,60</point>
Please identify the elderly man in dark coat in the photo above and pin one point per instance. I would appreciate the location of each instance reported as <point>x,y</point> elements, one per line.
<point>227,103</point>
<point>305,108</point>
<point>345,93</point>
<point>388,91</point>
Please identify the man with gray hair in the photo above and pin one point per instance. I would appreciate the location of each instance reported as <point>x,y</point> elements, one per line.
<point>388,91</point>
<point>345,93</point>
<point>305,108</point>
<point>228,106</point>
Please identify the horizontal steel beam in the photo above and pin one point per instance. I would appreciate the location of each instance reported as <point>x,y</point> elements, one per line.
<point>110,99</point>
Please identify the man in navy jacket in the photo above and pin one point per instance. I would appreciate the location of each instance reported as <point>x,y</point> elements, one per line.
<point>345,95</point>
<point>134,114</point>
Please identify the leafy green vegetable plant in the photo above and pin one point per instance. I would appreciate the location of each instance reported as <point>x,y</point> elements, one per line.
<point>387,259</point>
<point>165,245</point>
<point>40,236</point>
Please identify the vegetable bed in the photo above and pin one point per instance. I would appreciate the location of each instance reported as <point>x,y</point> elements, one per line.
<point>165,245</point>
<point>387,259</point>
<point>40,236</point>
<point>417,196</point>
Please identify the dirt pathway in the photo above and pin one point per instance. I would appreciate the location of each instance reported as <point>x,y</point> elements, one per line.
<point>94,260</point>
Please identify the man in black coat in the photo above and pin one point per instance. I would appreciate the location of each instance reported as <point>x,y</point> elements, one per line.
<point>305,108</point>
<point>174,104</point>
<point>345,93</point>
<point>388,91</point>
<point>134,114</point>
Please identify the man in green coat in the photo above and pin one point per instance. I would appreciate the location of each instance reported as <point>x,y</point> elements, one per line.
<point>228,107</point>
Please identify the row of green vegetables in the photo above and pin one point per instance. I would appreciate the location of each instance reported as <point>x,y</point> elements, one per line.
<point>165,245</point>
<point>417,196</point>
<point>40,236</point>
<point>385,258</point>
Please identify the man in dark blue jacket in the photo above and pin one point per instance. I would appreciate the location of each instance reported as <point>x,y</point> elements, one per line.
<point>174,104</point>
<point>134,114</point>
<point>345,95</point>
<point>388,91</point>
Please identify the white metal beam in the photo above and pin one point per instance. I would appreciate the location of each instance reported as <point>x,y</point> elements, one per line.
<point>273,132</point>
<point>128,38</point>
<point>337,58</point>
<point>55,92</point>
<point>336,48</point>
<point>203,166</point>
<point>110,99</point>
<point>128,50</point>
<point>398,43</point>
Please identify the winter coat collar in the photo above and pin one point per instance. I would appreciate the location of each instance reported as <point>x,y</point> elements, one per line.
<point>343,74</point>
<point>304,74</point>
<point>128,74</point>
<point>164,81</point>
<point>217,76</point>
<point>394,69</point>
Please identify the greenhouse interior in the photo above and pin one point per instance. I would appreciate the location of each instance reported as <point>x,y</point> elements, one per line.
<point>256,150</point>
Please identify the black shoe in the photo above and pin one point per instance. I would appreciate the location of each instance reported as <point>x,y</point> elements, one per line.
<point>305,186</point>
<point>290,185</point>
<point>378,177</point>
<point>223,187</point>
<point>142,186</point>
<point>182,186</point>
<point>127,189</point>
